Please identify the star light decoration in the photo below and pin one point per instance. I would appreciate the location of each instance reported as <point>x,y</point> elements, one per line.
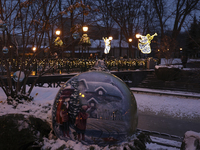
<point>144,43</point>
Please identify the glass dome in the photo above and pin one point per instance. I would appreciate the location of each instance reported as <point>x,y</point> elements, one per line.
<point>94,107</point>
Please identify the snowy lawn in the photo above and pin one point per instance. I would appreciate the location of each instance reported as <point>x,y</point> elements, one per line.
<point>39,107</point>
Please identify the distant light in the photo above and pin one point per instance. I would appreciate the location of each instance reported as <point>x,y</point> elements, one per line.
<point>110,38</point>
<point>130,40</point>
<point>85,28</point>
<point>138,36</point>
<point>181,48</point>
<point>58,32</point>
<point>82,95</point>
<point>158,50</point>
<point>34,48</point>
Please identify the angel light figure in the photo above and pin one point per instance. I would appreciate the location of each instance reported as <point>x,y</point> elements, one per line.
<point>107,45</point>
<point>144,43</point>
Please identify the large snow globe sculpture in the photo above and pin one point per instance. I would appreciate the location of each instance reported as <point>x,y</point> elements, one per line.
<point>94,107</point>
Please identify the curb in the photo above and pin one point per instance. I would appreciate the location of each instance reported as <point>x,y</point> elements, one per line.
<point>167,92</point>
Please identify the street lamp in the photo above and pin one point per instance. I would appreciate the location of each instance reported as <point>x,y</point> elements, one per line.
<point>85,28</point>
<point>58,41</point>
<point>180,52</point>
<point>129,40</point>
<point>58,32</point>
<point>137,36</point>
<point>34,50</point>
<point>85,40</point>
<point>110,38</point>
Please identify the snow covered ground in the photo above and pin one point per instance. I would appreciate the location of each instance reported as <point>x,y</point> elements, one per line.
<point>171,105</point>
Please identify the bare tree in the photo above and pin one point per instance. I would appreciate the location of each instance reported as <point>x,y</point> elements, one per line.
<point>30,22</point>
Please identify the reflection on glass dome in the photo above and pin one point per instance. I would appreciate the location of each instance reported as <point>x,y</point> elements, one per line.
<point>17,75</point>
<point>94,108</point>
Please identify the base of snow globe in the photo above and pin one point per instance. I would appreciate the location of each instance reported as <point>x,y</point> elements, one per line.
<point>94,107</point>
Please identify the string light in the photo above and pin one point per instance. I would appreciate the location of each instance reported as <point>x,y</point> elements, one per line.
<point>144,42</point>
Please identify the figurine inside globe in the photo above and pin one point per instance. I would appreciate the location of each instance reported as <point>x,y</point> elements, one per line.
<point>94,107</point>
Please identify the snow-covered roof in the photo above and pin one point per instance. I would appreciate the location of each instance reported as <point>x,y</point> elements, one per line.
<point>114,43</point>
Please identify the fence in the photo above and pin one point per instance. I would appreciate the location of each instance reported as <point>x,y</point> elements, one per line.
<point>74,65</point>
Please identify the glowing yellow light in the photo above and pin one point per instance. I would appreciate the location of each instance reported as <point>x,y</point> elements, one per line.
<point>79,93</point>
<point>110,38</point>
<point>138,36</point>
<point>158,50</point>
<point>82,95</point>
<point>181,48</point>
<point>144,43</point>
<point>33,73</point>
<point>130,40</point>
<point>58,32</point>
<point>34,48</point>
<point>85,28</point>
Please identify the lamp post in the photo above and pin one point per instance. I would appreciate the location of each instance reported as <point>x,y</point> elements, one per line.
<point>85,40</point>
<point>58,40</point>
<point>138,52</point>
<point>34,50</point>
<point>180,52</point>
<point>130,41</point>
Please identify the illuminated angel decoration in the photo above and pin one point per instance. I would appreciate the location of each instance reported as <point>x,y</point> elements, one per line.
<point>85,40</point>
<point>58,42</point>
<point>144,43</point>
<point>107,45</point>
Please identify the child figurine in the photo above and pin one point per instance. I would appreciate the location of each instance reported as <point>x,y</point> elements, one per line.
<point>65,119</point>
<point>81,121</point>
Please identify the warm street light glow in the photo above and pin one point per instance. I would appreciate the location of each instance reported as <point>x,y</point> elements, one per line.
<point>85,28</point>
<point>181,48</point>
<point>138,36</point>
<point>34,49</point>
<point>130,40</point>
<point>58,32</point>
<point>110,38</point>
